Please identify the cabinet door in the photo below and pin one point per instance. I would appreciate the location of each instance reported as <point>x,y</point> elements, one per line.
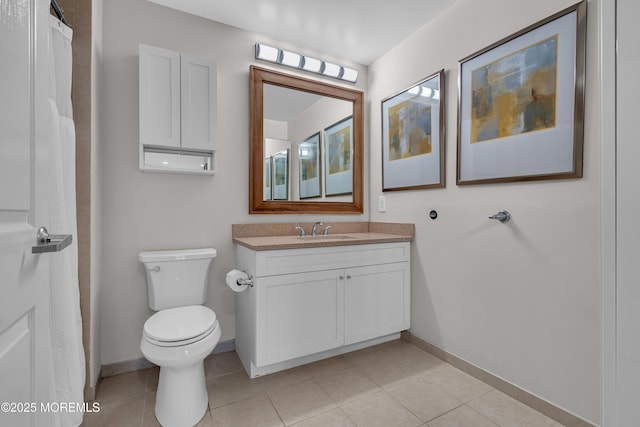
<point>159,96</point>
<point>199,103</point>
<point>377,301</point>
<point>299,314</point>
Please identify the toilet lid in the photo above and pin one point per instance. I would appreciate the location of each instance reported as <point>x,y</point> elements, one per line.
<point>180,323</point>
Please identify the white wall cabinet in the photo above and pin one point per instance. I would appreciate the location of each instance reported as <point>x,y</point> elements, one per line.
<point>178,110</point>
<point>308,304</point>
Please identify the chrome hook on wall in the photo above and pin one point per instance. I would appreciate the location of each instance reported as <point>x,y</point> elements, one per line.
<point>502,216</point>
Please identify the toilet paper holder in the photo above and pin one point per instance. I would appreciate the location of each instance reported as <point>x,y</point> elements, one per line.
<point>248,281</point>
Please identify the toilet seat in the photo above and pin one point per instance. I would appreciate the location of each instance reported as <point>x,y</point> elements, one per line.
<point>180,326</point>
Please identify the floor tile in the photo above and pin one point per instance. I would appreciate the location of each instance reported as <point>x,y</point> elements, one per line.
<point>506,411</point>
<point>330,366</point>
<point>149,415</point>
<point>423,398</point>
<point>347,384</point>
<point>122,388</point>
<point>230,388</point>
<point>365,355</point>
<point>283,378</point>
<point>121,414</point>
<point>457,383</point>
<point>254,412</point>
<point>222,364</point>
<point>392,384</point>
<point>334,418</point>
<point>300,401</point>
<point>390,369</point>
<point>411,355</point>
<point>380,410</point>
<point>153,375</point>
<point>462,416</point>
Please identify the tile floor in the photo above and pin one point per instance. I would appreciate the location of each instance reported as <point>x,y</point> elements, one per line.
<point>392,384</point>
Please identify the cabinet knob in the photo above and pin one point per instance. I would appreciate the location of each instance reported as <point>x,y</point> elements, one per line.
<point>341,277</point>
<point>348,277</point>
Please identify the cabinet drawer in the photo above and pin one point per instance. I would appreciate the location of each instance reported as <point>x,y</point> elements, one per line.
<point>269,263</point>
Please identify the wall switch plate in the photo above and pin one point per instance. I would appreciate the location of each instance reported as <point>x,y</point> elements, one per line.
<point>382,204</point>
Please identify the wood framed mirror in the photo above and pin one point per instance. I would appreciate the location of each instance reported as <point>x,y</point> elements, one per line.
<point>341,145</point>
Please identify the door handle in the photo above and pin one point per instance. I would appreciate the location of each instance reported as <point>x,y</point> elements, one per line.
<point>46,242</point>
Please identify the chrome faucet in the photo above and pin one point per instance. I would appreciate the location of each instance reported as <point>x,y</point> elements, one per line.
<point>301,230</point>
<point>314,230</point>
<point>325,231</point>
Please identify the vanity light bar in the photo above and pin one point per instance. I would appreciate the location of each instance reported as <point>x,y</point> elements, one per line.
<point>295,60</point>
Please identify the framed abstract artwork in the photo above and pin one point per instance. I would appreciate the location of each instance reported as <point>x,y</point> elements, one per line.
<point>309,166</point>
<point>338,176</point>
<point>521,104</point>
<point>413,136</point>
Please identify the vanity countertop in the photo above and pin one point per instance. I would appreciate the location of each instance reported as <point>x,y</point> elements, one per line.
<point>262,237</point>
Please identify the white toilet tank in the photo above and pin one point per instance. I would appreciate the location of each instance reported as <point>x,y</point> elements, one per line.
<point>177,278</point>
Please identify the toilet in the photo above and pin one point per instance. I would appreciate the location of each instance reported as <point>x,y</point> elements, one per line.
<point>182,332</point>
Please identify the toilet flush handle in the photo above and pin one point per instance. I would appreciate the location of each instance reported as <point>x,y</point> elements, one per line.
<point>154,269</point>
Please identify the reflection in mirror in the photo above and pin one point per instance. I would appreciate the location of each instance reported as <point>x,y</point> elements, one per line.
<point>290,116</point>
<point>321,126</point>
<point>280,178</point>
<point>273,146</point>
<point>309,167</point>
<point>268,194</point>
<point>337,148</point>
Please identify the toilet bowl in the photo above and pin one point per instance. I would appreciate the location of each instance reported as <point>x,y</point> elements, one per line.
<point>178,341</point>
<point>181,333</point>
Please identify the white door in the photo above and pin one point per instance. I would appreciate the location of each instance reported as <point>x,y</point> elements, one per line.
<point>24,130</point>
<point>628,215</point>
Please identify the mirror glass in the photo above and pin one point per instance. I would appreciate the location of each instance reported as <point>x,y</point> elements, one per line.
<point>306,141</point>
<point>317,132</point>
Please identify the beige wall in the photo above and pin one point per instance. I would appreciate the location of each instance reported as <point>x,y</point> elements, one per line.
<point>145,211</point>
<point>520,300</point>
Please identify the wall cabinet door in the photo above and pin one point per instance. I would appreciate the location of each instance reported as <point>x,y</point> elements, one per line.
<point>377,301</point>
<point>198,102</point>
<point>298,314</point>
<point>159,97</point>
<point>178,106</point>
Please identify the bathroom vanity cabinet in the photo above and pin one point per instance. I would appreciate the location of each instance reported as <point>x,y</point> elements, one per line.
<point>310,303</point>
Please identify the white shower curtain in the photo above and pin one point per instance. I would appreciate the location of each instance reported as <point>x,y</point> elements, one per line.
<point>68,363</point>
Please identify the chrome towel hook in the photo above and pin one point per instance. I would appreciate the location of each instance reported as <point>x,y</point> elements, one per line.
<point>502,216</point>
